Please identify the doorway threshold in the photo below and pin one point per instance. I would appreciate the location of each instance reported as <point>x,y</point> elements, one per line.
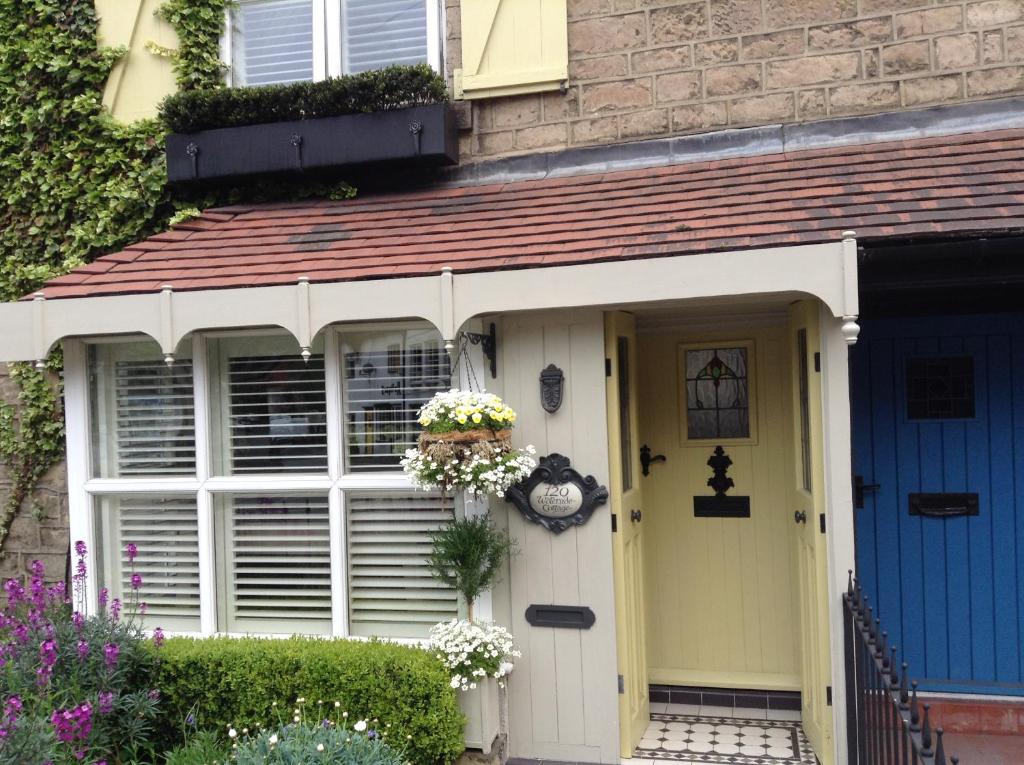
<point>689,739</point>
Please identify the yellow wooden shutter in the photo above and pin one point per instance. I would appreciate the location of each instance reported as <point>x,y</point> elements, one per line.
<point>512,46</point>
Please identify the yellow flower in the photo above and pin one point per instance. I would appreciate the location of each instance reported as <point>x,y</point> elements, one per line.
<point>477,417</point>
<point>461,419</point>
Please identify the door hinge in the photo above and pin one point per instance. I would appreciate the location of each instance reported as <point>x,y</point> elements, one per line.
<point>821,522</point>
<point>607,367</point>
<point>828,695</point>
<point>615,522</point>
<point>622,684</point>
<point>817,361</point>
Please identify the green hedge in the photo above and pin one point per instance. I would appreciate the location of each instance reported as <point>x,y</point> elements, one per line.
<point>234,681</point>
<point>378,90</point>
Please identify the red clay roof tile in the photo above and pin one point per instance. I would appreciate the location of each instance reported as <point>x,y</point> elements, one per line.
<point>923,187</point>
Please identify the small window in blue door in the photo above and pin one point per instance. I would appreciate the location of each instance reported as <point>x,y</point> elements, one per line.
<point>940,388</point>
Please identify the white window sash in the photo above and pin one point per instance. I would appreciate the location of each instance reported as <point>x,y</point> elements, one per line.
<point>205,487</point>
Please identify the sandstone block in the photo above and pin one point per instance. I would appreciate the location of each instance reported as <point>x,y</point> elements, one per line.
<point>989,82</point>
<point>811,104</point>
<point>759,110</point>
<point>495,143</point>
<point>730,17</point>
<point>541,136</point>
<point>932,90</point>
<point>558,106</point>
<point>732,80</point>
<point>813,70</point>
<point>1015,44</point>
<point>661,59</point>
<point>994,12</point>
<point>872,57</point>
<point>956,51</point>
<point>929,21</point>
<point>623,5</point>
<point>578,8</point>
<point>853,34</point>
<point>23,535</point>
<point>876,6</point>
<point>678,86</point>
<point>595,130</point>
<point>773,45</point>
<point>651,122</point>
<point>903,58</point>
<point>612,96</point>
<point>700,116</point>
<point>606,34</point>
<point>599,68</point>
<point>679,22</point>
<point>779,14</point>
<point>716,52</point>
<point>872,97</point>
<point>515,111</point>
<point>992,47</point>
<point>453,22</point>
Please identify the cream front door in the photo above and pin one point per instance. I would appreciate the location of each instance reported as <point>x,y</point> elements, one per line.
<point>628,538</point>
<point>809,529</point>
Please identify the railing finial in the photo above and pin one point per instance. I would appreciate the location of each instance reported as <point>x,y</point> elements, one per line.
<point>915,712</point>
<point>940,751</point>
<point>926,733</point>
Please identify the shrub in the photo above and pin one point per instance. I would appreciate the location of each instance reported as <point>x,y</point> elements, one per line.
<point>467,554</point>
<point>235,681</point>
<point>72,687</point>
<point>379,90</point>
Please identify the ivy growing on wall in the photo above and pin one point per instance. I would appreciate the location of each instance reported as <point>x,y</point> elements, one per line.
<point>74,184</point>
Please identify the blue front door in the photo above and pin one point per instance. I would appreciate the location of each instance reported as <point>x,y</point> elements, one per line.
<point>938,409</point>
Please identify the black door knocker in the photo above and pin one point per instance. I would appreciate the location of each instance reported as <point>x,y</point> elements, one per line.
<point>646,459</point>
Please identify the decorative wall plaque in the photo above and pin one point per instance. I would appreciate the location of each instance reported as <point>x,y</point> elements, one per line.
<point>551,382</point>
<point>556,496</point>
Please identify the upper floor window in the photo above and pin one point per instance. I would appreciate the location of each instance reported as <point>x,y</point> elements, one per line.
<point>281,41</point>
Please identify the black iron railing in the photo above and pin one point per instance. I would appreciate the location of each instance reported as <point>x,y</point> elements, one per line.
<point>886,725</point>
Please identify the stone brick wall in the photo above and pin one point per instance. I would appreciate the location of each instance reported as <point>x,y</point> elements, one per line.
<point>647,68</point>
<point>40,530</point>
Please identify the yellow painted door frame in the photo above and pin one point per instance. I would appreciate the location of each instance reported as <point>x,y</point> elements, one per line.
<point>628,539</point>
<point>810,530</point>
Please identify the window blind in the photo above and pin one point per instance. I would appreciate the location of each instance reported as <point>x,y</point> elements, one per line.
<point>166,532</point>
<point>279,563</point>
<point>391,591</point>
<point>278,414</point>
<point>272,42</point>
<point>378,33</point>
<point>387,378</point>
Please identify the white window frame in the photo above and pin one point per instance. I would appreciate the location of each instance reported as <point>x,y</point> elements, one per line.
<point>204,486</point>
<point>328,56</point>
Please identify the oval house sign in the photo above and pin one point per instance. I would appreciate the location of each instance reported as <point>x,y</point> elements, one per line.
<point>556,496</point>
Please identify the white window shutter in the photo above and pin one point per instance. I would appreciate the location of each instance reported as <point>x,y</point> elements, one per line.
<point>272,42</point>
<point>391,591</point>
<point>379,33</point>
<point>278,571</point>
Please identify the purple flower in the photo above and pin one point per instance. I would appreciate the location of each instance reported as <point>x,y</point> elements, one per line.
<point>78,620</point>
<point>115,608</point>
<point>154,695</point>
<point>48,652</point>
<point>83,649</point>
<point>72,725</point>
<point>110,654</point>
<point>158,637</point>
<point>136,581</point>
<point>131,551</point>
<point>104,597</point>
<point>37,568</point>
<point>80,548</point>
<point>143,607</point>
<point>106,702</point>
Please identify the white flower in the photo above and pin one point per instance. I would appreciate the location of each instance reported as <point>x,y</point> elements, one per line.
<point>232,733</point>
<point>319,747</point>
<point>273,739</point>
<point>360,726</point>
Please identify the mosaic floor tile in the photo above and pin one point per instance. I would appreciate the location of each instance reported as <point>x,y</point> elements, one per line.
<point>724,741</point>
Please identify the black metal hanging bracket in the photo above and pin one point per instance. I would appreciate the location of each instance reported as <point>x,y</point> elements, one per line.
<point>488,342</point>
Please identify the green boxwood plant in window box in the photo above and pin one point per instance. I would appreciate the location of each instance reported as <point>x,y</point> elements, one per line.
<point>396,114</point>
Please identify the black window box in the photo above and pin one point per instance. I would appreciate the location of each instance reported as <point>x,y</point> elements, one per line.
<point>422,134</point>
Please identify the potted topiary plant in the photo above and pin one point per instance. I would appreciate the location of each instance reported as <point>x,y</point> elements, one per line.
<point>468,555</point>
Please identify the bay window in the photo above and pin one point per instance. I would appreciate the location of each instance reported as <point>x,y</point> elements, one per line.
<point>263,490</point>
<point>281,41</point>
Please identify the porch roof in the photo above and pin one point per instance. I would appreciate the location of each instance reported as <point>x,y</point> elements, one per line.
<point>944,185</point>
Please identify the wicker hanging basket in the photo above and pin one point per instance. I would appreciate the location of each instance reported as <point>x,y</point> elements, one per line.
<point>458,445</point>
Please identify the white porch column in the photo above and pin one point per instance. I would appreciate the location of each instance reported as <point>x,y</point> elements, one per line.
<point>838,500</point>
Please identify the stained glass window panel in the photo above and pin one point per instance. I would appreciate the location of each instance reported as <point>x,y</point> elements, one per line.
<point>717,403</point>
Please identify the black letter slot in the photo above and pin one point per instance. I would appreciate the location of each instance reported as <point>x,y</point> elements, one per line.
<point>944,505</point>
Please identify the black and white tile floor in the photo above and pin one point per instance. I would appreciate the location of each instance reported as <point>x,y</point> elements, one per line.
<point>686,735</point>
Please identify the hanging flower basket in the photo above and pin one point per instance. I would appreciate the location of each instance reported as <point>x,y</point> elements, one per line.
<point>466,445</point>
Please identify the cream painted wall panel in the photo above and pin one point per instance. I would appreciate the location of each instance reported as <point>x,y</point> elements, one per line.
<point>721,592</point>
<point>562,696</point>
<point>141,79</point>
